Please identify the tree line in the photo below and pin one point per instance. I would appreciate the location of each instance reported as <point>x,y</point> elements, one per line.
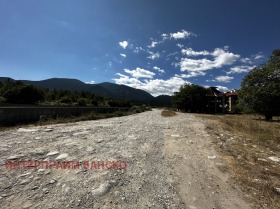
<point>16,92</point>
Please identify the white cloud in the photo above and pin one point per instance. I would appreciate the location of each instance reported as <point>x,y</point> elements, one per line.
<point>196,65</point>
<point>191,74</point>
<point>138,49</point>
<point>164,36</point>
<point>253,59</point>
<point>153,55</point>
<point>246,60</point>
<point>181,34</point>
<point>258,56</point>
<point>158,86</point>
<point>224,58</point>
<point>191,52</point>
<point>140,73</point>
<point>153,44</point>
<point>178,35</point>
<point>223,78</point>
<point>240,69</point>
<point>158,69</point>
<point>90,82</point>
<point>221,58</point>
<point>124,79</point>
<point>172,54</point>
<point>123,55</point>
<point>180,45</point>
<point>155,87</point>
<point>226,47</point>
<point>123,44</point>
<point>222,88</point>
<point>121,75</point>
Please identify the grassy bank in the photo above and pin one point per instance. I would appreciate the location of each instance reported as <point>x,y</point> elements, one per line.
<point>168,113</point>
<point>247,143</point>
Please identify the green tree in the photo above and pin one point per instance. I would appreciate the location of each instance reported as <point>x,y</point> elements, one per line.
<point>66,100</point>
<point>260,88</point>
<point>23,94</point>
<point>2,99</point>
<point>190,98</point>
<point>82,101</point>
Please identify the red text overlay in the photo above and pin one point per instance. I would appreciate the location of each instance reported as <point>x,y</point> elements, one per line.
<point>44,164</point>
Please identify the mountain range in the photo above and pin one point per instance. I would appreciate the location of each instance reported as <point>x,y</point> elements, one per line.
<point>106,90</point>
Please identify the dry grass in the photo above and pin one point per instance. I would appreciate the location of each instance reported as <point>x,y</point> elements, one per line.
<point>5,128</point>
<point>264,133</point>
<point>246,142</point>
<point>168,113</point>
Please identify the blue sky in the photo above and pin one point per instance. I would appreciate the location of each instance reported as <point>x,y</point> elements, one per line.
<point>154,45</point>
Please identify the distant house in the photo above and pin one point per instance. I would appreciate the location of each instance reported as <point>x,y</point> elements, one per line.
<point>215,101</point>
<point>231,100</point>
<point>220,102</point>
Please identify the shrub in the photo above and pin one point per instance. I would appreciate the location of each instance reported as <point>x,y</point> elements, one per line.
<point>82,102</point>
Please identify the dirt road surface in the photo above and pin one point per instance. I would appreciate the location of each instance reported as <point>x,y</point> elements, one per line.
<point>166,162</point>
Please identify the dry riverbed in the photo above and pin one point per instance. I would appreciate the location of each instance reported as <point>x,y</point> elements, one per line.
<point>160,162</point>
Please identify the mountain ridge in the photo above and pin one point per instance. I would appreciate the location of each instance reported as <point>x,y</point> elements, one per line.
<point>104,89</point>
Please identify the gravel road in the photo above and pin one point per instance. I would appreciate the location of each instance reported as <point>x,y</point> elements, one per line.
<point>145,161</point>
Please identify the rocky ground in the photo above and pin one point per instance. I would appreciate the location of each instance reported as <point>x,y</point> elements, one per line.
<point>167,162</point>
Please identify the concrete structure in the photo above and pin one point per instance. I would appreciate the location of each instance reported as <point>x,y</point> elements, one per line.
<point>19,114</point>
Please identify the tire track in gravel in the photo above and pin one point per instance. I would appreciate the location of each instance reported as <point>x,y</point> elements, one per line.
<point>167,165</point>
<point>199,171</point>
